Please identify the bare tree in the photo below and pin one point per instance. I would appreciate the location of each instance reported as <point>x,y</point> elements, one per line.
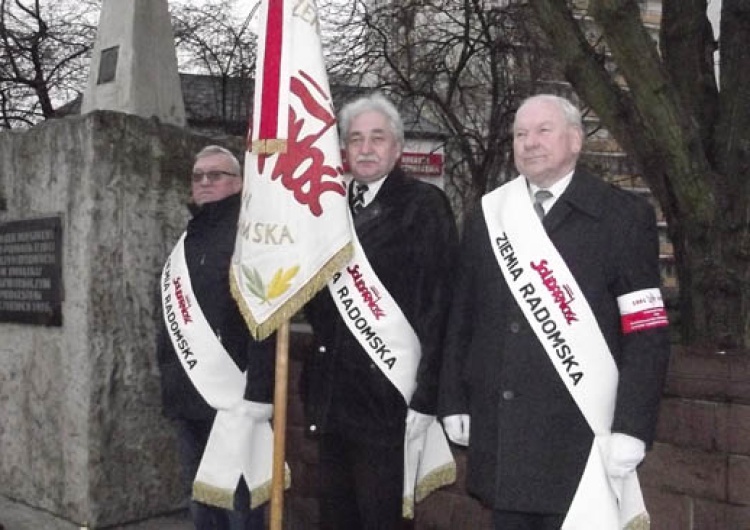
<point>44,49</point>
<point>212,40</point>
<point>687,133</point>
<point>459,63</point>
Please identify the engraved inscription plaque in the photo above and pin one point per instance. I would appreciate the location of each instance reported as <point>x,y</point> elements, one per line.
<point>31,271</point>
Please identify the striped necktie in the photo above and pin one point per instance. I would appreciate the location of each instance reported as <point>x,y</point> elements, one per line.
<point>358,197</point>
<point>539,197</point>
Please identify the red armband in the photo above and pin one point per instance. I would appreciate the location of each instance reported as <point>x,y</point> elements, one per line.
<point>641,310</point>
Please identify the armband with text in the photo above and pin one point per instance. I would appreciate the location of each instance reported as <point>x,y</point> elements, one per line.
<point>642,310</point>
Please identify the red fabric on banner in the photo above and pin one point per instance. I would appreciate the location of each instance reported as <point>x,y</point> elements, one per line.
<point>272,71</point>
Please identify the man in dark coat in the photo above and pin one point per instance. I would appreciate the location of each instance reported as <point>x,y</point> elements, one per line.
<point>407,231</point>
<point>528,441</point>
<point>208,247</point>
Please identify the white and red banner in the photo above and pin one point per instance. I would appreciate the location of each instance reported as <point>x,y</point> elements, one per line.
<point>294,229</point>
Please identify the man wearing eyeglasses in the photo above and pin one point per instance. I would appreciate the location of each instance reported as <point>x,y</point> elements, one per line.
<point>216,176</point>
<point>195,281</point>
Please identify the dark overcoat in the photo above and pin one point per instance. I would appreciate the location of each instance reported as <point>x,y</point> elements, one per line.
<point>209,245</point>
<point>528,440</point>
<point>409,236</point>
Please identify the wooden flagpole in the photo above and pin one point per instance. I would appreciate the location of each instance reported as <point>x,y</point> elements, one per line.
<point>279,425</point>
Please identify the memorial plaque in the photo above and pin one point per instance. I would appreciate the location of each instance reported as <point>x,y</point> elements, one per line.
<point>108,65</point>
<point>31,271</point>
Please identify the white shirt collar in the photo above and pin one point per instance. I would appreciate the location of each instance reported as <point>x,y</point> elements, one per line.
<point>372,189</point>
<point>556,190</point>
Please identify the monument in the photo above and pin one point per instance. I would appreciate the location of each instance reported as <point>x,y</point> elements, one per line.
<point>90,206</point>
<point>134,65</point>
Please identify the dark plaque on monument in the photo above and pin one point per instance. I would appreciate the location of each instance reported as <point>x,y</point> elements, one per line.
<point>31,271</point>
<point>108,65</point>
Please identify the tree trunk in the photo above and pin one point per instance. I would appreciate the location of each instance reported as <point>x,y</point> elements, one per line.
<point>704,196</point>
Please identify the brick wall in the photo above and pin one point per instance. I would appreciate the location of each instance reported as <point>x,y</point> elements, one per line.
<point>697,477</point>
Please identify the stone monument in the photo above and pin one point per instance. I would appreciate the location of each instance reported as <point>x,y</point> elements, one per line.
<point>134,65</point>
<point>90,206</point>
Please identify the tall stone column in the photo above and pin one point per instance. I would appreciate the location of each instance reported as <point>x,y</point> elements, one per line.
<point>134,64</point>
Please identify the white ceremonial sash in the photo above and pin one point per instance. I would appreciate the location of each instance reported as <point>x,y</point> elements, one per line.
<point>237,445</point>
<point>381,328</point>
<point>428,465</point>
<point>376,321</point>
<point>562,320</point>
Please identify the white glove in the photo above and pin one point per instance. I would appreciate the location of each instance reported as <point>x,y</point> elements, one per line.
<point>416,423</point>
<point>457,428</point>
<point>254,409</point>
<point>623,455</point>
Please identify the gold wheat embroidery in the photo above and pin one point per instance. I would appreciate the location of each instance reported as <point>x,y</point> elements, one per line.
<point>279,284</point>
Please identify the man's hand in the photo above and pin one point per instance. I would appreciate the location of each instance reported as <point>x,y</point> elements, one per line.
<point>624,454</point>
<point>457,428</point>
<point>416,423</point>
<point>254,409</point>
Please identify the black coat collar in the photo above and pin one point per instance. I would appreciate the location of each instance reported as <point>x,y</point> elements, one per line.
<point>216,208</point>
<point>376,208</point>
<point>585,194</point>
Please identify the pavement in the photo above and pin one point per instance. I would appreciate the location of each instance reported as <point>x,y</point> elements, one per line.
<point>18,516</point>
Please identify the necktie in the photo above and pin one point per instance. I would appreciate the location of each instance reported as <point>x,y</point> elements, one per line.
<point>539,197</point>
<point>358,197</point>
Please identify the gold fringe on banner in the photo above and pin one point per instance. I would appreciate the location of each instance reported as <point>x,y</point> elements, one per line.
<point>213,496</point>
<point>269,146</point>
<point>286,311</point>
<point>442,476</point>
<point>262,494</point>
<point>639,522</point>
<point>223,498</point>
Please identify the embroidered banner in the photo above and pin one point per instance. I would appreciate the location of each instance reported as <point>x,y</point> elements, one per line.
<point>293,231</point>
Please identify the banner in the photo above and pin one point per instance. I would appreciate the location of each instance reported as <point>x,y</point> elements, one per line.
<point>294,230</point>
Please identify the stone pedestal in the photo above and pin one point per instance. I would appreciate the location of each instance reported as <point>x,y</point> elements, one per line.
<point>81,429</point>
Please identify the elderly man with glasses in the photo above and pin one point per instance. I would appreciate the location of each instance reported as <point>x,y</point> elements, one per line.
<point>200,264</point>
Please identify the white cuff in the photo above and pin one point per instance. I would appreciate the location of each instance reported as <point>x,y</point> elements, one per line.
<point>457,428</point>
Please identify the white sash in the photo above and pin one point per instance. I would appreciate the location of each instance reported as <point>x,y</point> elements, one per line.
<point>377,322</point>
<point>428,465</point>
<point>237,445</point>
<point>562,320</point>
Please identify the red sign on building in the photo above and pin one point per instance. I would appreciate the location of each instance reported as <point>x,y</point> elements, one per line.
<point>422,164</point>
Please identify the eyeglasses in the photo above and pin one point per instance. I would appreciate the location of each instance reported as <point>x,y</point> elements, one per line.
<point>212,176</point>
